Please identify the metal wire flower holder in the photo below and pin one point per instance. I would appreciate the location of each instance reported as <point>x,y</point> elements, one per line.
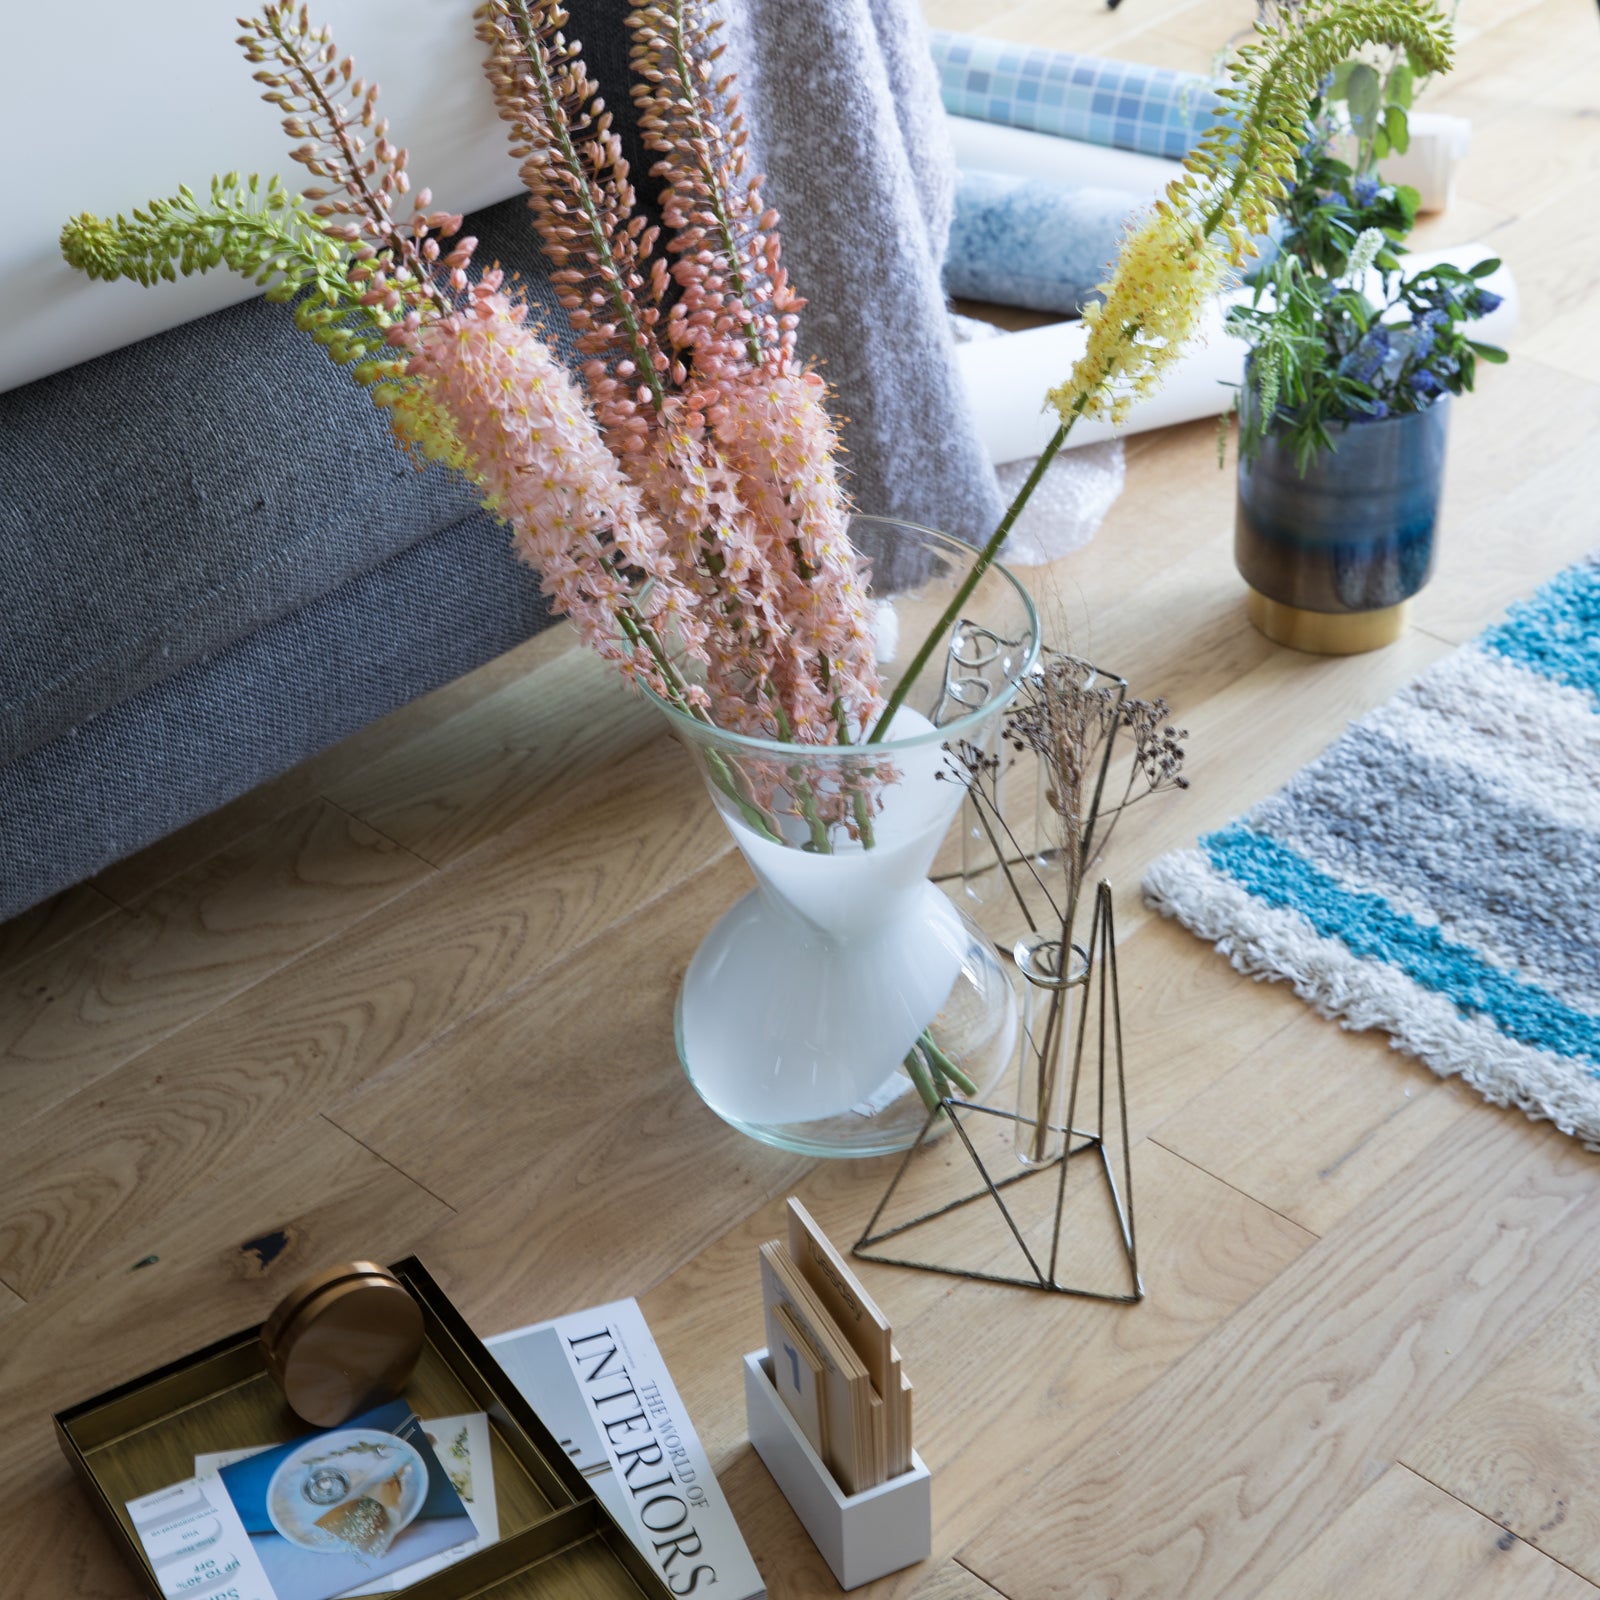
<point>1071,1108</point>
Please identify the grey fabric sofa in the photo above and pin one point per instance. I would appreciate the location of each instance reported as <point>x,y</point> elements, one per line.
<point>214,562</point>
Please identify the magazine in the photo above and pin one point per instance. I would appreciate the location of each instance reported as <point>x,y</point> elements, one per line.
<point>598,1382</point>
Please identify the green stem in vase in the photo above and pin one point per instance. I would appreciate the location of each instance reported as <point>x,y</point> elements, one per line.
<point>981,565</point>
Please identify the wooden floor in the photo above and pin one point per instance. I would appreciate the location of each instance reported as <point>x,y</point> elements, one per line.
<point>417,996</point>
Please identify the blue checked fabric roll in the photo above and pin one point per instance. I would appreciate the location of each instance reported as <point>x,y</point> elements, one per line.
<point>1120,104</point>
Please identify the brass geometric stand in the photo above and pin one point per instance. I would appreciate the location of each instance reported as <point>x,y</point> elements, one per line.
<point>1046,1259</point>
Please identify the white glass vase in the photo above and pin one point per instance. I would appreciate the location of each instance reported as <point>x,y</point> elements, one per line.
<point>800,1007</point>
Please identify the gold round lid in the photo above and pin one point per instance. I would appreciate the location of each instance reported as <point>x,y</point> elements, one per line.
<point>345,1339</point>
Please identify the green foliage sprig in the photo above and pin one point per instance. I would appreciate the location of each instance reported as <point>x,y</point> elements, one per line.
<point>1325,353</point>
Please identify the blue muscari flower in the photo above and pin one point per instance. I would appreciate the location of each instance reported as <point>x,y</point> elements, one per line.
<point>1375,409</point>
<point>1483,302</point>
<point>1432,319</point>
<point>1365,190</point>
<point>1422,339</point>
<point>1363,363</point>
<point>1425,386</point>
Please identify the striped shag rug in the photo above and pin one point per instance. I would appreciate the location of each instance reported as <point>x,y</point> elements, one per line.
<point>1436,872</point>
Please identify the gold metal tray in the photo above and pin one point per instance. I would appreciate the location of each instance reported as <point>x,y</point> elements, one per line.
<point>556,1539</point>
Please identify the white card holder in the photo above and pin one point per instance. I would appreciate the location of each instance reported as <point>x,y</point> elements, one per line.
<point>861,1536</point>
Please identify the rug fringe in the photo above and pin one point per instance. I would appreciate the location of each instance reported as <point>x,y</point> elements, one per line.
<point>1280,945</point>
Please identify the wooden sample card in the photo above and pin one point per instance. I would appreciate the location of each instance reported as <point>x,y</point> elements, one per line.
<point>798,1374</point>
<point>834,1362</point>
<point>858,1318</point>
<point>846,1386</point>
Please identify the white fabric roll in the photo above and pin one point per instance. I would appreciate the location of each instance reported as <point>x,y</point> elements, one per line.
<point>1007,378</point>
<point>993,147</point>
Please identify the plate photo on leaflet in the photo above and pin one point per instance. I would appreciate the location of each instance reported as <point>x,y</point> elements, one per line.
<point>359,1489</point>
<point>334,1510</point>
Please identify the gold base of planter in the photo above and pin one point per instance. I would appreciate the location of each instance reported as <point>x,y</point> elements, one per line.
<point>1327,633</point>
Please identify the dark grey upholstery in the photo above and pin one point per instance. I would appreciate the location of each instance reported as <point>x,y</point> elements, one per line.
<point>206,481</point>
<point>222,725</point>
<point>213,563</point>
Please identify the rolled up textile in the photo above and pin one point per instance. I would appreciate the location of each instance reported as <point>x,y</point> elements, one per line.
<point>1007,377</point>
<point>994,147</point>
<point>1032,241</point>
<point>1122,104</point>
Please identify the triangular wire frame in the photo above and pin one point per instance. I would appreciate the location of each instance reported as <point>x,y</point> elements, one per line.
<point>1044,1268</point>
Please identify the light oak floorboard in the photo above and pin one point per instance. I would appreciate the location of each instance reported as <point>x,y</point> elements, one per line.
<point>1522,1446</point>
<point>951,1581</point>
<point>512,753</point>
<point>1316,1118</point>
<point>464,1115</point>
<point>124,983</point>
<point>1240,1454</point>
<point>61,917</point>
<point>1499,547</point>
<point>1405,1537</point>
<point>583,1165</point>
<point>89,1169</point>
<point>130,880</point>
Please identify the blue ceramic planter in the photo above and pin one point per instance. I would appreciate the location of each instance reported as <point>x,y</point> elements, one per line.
<point>1355,534</point>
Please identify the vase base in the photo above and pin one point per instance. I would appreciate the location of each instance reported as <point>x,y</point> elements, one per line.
<point>1327,633</point>
<point>799,1042</point>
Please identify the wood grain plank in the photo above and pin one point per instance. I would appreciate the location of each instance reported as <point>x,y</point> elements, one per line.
<point>545,1056</point>
<point>1507,63</point>
<point>330,1199</point>
<point>1188,1020</point>
<point>1232,1462</point>
<point>9,1301</point>
<point>951,1581</point>
<point>130,880</point>
<point>1521,1447</point>
<point>502,759</point>
<point>1314,1119</point>
<point>1500,547</point>
<point>1010,1384</point>
<point>31,933</point>
<point>90,1169</point>
<point>1403,1536</point>
<point>98,999</point>
<point>564,1131</point>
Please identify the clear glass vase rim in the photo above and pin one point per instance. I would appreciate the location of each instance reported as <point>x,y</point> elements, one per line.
<point>943,734</point>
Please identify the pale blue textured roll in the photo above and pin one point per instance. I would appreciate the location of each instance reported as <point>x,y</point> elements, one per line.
<point>1032,242</point>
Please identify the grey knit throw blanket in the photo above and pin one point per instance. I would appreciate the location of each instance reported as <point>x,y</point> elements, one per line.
<point>843,105</point>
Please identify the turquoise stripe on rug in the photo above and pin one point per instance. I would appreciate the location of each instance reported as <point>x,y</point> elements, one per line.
<point>1432,873</point>
<point>1557,632</point>
<point>1371,928</point>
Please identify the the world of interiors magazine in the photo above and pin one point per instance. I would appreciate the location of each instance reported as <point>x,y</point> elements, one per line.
<point>598,1382</point>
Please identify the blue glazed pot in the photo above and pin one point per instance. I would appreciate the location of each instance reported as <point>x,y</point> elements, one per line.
<point>1355,534</point>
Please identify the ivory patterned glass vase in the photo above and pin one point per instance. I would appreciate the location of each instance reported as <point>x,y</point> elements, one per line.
<point>799,1009</point>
